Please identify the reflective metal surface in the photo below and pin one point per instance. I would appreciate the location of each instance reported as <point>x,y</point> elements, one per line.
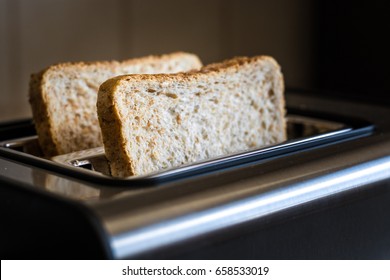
<point>171,230</point>
<point>154,226</point>
<point>136,220</point>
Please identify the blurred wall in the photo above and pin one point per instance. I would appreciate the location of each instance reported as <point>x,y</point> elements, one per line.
<point>35,34</point>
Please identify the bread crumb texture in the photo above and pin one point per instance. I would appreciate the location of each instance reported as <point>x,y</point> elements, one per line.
<point>63,97</point>
<point>154,122</point>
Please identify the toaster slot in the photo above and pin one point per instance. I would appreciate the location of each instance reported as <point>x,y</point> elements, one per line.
<point>303,131</point>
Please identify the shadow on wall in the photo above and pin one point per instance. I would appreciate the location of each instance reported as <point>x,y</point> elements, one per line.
<point>40,32</point>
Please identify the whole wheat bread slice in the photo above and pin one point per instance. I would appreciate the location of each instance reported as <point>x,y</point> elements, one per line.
<point>154,122</point>
<point>63,97</point>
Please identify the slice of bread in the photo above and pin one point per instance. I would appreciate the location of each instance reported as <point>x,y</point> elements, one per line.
<point>63,97</point>
<point>154,122</point>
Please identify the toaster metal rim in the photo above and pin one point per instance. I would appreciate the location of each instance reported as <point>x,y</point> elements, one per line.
<point>72,168</point>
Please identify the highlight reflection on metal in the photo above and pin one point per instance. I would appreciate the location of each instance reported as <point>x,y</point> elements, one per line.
<point>184,227</point>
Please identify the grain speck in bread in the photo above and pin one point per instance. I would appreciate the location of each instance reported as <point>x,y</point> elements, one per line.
<point>154,122</point>
<point>63,97</point>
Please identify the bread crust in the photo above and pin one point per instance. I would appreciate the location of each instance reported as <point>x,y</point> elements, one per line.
<point>54,139</point>
<point>113,116</point>
<point>41,115</point>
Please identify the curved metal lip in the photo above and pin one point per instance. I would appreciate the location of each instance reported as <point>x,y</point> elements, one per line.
<point>180,228</point>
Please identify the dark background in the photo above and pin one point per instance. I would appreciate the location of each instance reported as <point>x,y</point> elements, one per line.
<point>339,47</point>
<point>352,50</point>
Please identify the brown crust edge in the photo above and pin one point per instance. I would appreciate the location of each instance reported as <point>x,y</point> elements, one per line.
<point>111,127</point>
<point>132,61</point>
<point>210,69</point>
<point>43,127</point>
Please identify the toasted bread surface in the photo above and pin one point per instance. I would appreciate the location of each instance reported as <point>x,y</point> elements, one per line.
<point>153,122</point>
<point>63,97</point>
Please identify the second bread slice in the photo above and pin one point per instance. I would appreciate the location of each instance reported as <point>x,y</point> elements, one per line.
<point>154,122</point>
<point>63,97</point>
